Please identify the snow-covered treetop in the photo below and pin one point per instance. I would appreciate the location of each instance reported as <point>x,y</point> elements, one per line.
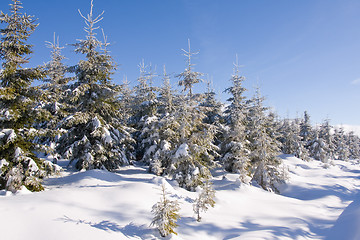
<point>99,64</point>
<point>188,78</point>
<point>91,42</point>
<point>55,69</point>
<point>13,47</point>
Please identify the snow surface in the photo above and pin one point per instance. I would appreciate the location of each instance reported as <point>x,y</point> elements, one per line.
<point>98,204</point>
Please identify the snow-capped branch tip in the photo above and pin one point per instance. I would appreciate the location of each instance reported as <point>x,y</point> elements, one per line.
<point>237,66</point>
<point>164,70</point>
<point>143,69</point>
<point>15,6</point>
<point>125,80</point>
<point>55,44</point>
<point>165,74</point>
<point>89,20</point>
<point>210,83</point>
<point>105,44</point>
<point>188,54</point>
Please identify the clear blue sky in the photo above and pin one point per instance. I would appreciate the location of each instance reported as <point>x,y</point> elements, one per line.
<point>305,55</point>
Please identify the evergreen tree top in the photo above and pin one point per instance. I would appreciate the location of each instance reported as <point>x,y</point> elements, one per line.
<point>14,49</point>
<point>55,69</point>
<point>188,78</point>
<point>89,45</point>
<point>99,65</point>
<point>56,49</point>
<point>236,69</point>
<point>236,90</point>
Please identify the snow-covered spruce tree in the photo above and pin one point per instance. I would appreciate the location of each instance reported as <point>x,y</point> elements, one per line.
<point>212,107</point>
<point>291,140</point>
<point>204,200</point>
<point>188,78</point>
<point>54,90</point>
<point>161,128</point>
<point>165,214</point>
<point>327,136</point>
<point>322,147</point>
<point>342,150</point>
<point>95,137</point>
<point>264,149</point>
<point>193,150</point>
<point>235,152</point>
<point>353,142</point>
<point>318,148</point>
<point>273,125</point>
<point>167,98</point>
<point>19,166</point>
<point>148,138</point>
<point>306,130</point>
<point>56,83</point>
<point>160,153</point>
<point>126,100</point>
<point>213,110</point>
<point>145,102</point>
<point>145,113</point>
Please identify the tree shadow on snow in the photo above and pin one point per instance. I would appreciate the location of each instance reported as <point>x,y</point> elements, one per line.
<point>103,225</point>
<point>129,230</point>
<point>248,226</point>
<point>318,191</point>
<point>142,231</point>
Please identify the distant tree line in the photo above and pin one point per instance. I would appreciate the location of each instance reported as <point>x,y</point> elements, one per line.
<point>80,115</point>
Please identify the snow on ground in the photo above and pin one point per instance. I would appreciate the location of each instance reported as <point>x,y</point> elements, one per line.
<point>101,205</point>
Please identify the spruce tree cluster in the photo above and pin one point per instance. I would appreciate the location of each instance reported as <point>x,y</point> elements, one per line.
<point>80,115</point>
<point>323,142</point>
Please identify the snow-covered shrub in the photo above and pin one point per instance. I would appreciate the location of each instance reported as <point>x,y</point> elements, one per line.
<point>204,200</point>
<point>165,214</point>
<point>51,168</point>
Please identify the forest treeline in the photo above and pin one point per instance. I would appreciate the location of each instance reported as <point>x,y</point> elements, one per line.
<point>78,114</point>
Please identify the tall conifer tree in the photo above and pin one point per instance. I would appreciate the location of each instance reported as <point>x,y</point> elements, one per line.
<point>342,150</point>
<point>306,131</point>
<point>234,147</point>
<point>54,90</point>
<point>353,142</point>
<point>95,137</point>
<point>19,166</point>
<point>193,149</point>
<point>145,112</point>
<point>264,149</point>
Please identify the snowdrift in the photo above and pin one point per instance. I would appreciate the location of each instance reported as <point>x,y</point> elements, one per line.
<point>347,225</point>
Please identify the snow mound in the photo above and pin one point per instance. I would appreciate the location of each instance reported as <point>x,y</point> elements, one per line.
<point>84,178</point>
<point>347,225</point>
